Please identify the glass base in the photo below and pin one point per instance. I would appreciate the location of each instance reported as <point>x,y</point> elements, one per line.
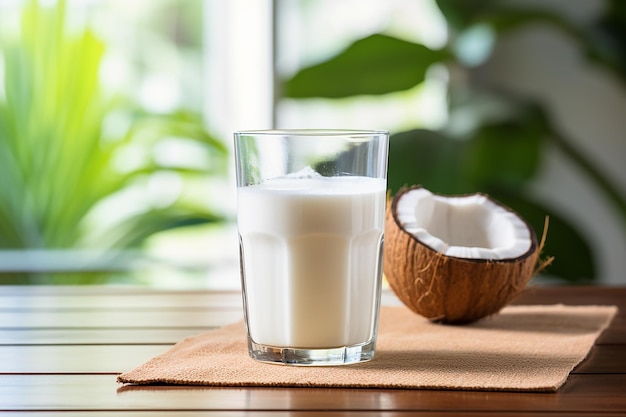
<point>312,357</point>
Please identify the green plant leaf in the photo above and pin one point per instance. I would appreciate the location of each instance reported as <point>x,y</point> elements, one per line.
<point>500,15</point>
<point>138,228</point>
<point>377,64</point>
<point>460,14</point>
<point>506,153</point>
<point>603,41</point>
<point>57,166</point>
<point>607,43</point>
<point>428,158</point>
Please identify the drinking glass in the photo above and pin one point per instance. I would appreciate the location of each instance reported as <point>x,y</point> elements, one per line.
<point>310,217</point>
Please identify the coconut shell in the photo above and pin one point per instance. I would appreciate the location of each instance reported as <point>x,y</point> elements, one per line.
<point>448,289</point>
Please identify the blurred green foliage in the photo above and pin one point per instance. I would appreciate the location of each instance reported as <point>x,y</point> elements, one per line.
<point>59,162</point>
<point>501,152</point>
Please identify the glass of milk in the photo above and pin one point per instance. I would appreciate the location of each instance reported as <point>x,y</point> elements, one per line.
<point>311,207</point>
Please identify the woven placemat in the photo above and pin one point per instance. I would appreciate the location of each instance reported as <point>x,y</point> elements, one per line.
<point>523,348</point>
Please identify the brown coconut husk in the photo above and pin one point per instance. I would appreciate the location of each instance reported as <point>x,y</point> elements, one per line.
<point>448,289</point>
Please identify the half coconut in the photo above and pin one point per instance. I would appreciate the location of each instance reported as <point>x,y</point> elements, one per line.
<point>456,259</point>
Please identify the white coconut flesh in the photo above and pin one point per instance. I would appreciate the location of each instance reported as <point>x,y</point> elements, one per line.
<point>471,227</point>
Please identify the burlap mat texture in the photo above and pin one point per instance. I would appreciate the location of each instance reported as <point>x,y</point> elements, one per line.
<point>523,348</point>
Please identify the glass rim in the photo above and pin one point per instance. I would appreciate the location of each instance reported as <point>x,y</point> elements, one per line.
<point>312,132</point>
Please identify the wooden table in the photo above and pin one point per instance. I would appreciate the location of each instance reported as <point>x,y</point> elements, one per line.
<point>62,347</point>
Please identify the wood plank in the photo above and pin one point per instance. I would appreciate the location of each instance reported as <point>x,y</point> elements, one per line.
<point>58,384</point>
<point>12,296</point>
<point>541,293</point>
<point>40,326</point>
<point>40,309</point>
<point>604,359</point>
<point>132,300</point>
<point>21,337</point>
<point>285,413</point>
<point>575,295</point>
<point>77,298</point>
<point>615,334</point>
<point>581,393</point>
<point>97,359</point>
<point>584,393</point>
<point>186,310</point>
<point>112,289</point>
<point>109,318</point>
<point>53,359</point>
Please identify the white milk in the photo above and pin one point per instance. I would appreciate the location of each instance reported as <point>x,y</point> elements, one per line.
<point>311,254</point>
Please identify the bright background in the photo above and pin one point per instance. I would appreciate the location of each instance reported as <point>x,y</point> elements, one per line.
<point>220,66</point>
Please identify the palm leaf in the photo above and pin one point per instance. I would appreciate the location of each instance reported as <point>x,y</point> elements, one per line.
<point>56,167</point>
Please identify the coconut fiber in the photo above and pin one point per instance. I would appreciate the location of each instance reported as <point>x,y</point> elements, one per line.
<point>523,348</point>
